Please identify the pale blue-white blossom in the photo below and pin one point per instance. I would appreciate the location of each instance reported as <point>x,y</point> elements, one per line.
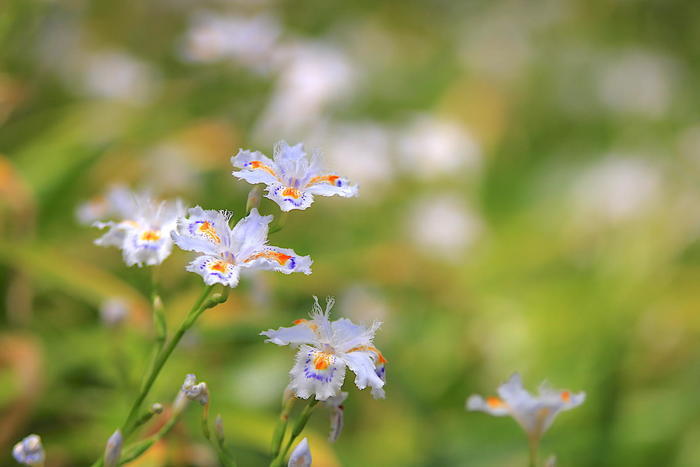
<point>291,177</point>
<point>225,250</point>
<point>118,201</point>
<point>143,230</point>
<point>326,349</point>
<point>534,414</point>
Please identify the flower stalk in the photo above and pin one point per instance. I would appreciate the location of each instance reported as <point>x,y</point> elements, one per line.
<point>163,356</point>
<point>296,431</point>
<point>281,428</point>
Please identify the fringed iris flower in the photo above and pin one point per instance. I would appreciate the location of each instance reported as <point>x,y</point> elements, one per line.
<point>143,233</point>
<point>534,414</point>
<point>326,349</point>
<point>225,250</point>
<point>292,178</point>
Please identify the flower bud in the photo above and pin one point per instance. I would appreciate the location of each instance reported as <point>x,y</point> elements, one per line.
<point>219,428</point>
<point>254,198</point>
<point>29,451</point>
<point>301,456</point>
<point>113,450</point>
<point>195,391</point>
<point>157,408</point>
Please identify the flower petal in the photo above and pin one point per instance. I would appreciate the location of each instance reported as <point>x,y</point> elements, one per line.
<point>255,168</point>
<point>146,246</point>
<point>348,335</point>
<point>205,231</point>
<point>362,364</point>
<point>250,234</point>
<point>490,405</point>
<point>284,260</point>
<point>214,270</point>
<point>289,198</point>
<point>302,333</point>
<point>115,235</point>
<point>329,185</point>
<point>316,373</point>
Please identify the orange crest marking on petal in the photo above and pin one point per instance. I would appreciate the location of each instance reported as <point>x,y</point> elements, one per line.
<point>322,360</point>
<point>330,179</point>
<point>219,266</point>
<point>495,402</point>
<point>369,348</point>
<point>281,258</point>
<point>150,236</point>
<point>208,230</point>
<point>292,193</point>
<point>308,323</point>
<point>566,396</point>
<point>262,166</point>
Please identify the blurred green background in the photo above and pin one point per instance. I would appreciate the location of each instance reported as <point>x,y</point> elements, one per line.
<point>529,201</point>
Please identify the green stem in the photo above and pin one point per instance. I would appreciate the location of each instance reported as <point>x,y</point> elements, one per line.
<point>534,446</point>
<point>162,357</point>
<point>296,431</point>
<point>159,321</point>
<point>281,428</point>
<point>218,445</point>
<point>135,450</point>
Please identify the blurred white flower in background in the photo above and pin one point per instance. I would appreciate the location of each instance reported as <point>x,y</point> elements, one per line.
<point>119,76</point>
<point>363,303</point>
<point>361,151</point>
<point>313,75</point>
<point>433,147</point>
<point>170,169</point>
<point>443,226</point>
<point>248,41</point>
<point>615,189</point>
<point>637,82</point>
<point>497,45</point>
<point>499,42</point>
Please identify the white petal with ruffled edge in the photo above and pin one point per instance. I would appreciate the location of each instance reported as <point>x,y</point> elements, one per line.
<point>362,364</point>
<point>255,167</point>
<point>284,260</point>
<point>289,198</point>
<point>204,231</point>
<point>316,373</point>
<point>148,247</point>
<point>331,185</point>
<point>215,270</point>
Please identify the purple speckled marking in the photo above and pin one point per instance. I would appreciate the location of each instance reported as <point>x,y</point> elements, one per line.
<point>311,374</point>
